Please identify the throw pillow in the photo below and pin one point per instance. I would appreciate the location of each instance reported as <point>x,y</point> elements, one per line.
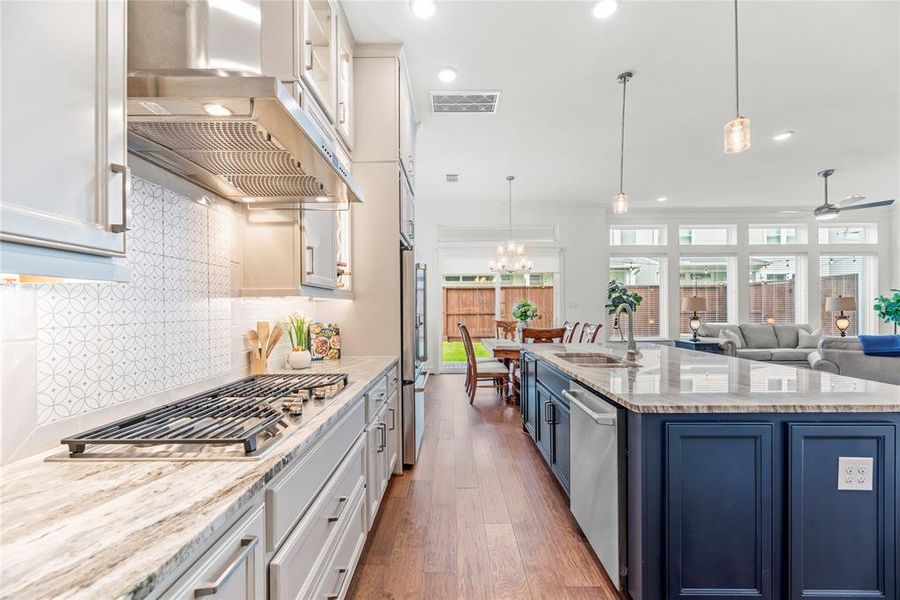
<point>725,334</point>
<point>809,340</point>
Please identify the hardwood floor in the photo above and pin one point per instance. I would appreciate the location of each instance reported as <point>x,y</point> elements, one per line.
<point>480,516</point>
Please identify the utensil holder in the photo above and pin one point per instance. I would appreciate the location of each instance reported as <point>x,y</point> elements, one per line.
<point>258,366</point>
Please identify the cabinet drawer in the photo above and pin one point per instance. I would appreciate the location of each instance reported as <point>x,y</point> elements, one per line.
<point>376,398</point>
<point>553,380</point>
<point>292,570</point>
<point>288,497</point>
<point>234,568</point>
<point>337,575</point>
<point>393,378</point>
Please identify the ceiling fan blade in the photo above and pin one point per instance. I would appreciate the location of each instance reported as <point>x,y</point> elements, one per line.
<point>868,205</point>
<point>850,200</point>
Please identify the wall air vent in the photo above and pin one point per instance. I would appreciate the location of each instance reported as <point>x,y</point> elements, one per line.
<point>480,102</point>
<point>451,178</point>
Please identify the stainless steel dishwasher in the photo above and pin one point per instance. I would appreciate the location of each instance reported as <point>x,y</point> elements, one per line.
<point>597,485</point>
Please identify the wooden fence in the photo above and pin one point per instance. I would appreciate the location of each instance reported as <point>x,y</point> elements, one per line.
<point>474,307</point>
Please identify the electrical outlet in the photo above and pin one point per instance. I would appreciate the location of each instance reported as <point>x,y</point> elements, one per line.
<point>855,473</point>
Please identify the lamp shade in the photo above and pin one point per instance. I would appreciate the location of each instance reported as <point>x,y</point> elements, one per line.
<point>693,304</point>
<point>839,303</point>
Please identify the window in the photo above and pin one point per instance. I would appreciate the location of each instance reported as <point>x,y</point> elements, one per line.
<point>642,274</point>
<point>707,278</point>
<point>774,293</point>
<point>849,234</point>
<point>647,235</point>
<point>776,234</point>
<point>848,276</point>
<point>707,235</point>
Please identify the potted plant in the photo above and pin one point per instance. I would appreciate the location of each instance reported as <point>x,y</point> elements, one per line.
<point>888,308</point>
<point>617,294</point>
<point>523,312</point>
<point>297,325</point>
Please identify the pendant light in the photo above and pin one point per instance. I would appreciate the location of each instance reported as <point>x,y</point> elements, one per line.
<point>510,258</point>
<point>620,202</point>
<point>737,130</point>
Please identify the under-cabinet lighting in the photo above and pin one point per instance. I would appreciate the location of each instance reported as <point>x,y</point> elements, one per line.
<point>217,110</point>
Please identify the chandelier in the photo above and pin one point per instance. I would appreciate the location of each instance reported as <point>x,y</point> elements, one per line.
<point>511,257</point>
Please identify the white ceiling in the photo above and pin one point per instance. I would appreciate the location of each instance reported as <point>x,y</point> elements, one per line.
<point>827,69</point>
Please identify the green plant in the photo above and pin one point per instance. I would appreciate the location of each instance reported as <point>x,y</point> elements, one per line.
<point>888,309</point>
<point>618,294</point>
<point>524,311</point>
<point>297,327</point>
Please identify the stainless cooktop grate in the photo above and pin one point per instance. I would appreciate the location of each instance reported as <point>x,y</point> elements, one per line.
<point>236,413</point>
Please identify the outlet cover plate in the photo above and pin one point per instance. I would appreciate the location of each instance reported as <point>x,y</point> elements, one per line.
<point>855,473</point>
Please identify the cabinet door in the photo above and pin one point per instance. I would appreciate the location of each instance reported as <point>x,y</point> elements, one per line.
<point>65,184</point>
<point>854,556</point>
<point>561,447</point>
<point>544,429</point>
<point>529,394</point>
<point>407,209</point>
<point>373,470</point>
<point>407,127</point>
<point>392,420</point>
<point>317,43</point>
<point>319,261</point>
<point>344,107</point>
<point>718,510</point>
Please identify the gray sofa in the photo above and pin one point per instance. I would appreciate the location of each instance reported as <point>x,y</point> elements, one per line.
<point>770,343</point>
<point>844,356</point>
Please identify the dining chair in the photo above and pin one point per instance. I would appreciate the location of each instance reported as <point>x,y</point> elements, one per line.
<point>535,335</point>
<point>506,330</point>
<point>570,328</point>
<point>589,333</point>
<point>494,372</point>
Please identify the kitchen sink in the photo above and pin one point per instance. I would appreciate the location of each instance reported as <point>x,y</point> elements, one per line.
<point>593,359</point>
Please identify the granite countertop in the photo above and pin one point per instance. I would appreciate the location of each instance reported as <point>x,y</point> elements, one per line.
<point>672,380</point>
<point>116,529</point>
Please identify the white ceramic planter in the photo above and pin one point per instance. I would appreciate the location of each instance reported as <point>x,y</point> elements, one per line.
<point>299,359</point>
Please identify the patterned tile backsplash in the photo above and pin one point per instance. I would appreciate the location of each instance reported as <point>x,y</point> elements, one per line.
<point>100,344</point>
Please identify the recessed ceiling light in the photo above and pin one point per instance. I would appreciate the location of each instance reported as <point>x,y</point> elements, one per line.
<point>423,8</point>
<point>783,136</point>
<point>447,74</point>
<point>217,110</point>
<point>662,198</point>
<point>604,8</point>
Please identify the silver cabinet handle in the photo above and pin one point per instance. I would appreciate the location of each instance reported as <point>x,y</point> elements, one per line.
<point>412,228</point>
<point>125,171</point>
<point>342,501</point>
<point>547,411</point>
<point>309,60</point>
<point>598,418</point>
<point>343,573</point>
<point>383,444</point>
<point>342,112</point>
<point>311,262</point>
<point>393,419</point>
<point>248,544</point>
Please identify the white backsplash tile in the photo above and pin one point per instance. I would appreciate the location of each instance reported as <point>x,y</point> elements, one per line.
<point>18,312</point>
<point>68,380</point>
<point>67,305</point>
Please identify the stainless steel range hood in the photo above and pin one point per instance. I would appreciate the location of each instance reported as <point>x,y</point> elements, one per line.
<point>236,133</point>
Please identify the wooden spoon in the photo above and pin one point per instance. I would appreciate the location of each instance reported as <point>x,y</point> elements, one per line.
<point>253,338</point>
<point>273,340</point>
<point>262,330</point>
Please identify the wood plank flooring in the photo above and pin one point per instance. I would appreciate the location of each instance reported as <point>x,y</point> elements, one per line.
<point>480,516</point>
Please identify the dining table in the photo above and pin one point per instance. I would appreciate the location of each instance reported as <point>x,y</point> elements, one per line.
<point>507,352</point>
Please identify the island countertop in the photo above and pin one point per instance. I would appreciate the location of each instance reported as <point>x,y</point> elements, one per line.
<point>117,529</point>
<point>672,380</point>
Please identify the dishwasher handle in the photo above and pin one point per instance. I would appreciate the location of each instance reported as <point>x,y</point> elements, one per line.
<point>598,418</point>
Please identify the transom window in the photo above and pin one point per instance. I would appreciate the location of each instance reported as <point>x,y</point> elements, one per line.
<point>866,233</point>
<point>647,235</point>
<point>707,235</point>
<point>776,234</point>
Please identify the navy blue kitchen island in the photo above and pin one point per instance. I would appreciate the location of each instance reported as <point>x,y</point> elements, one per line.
<point>735,478</point>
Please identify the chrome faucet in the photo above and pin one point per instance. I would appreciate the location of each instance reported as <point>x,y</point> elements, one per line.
<point>632,346</point>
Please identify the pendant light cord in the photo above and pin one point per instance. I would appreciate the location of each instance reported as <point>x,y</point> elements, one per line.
<point>737,77</point>
<point>622,145</point>
<point>510,178</point>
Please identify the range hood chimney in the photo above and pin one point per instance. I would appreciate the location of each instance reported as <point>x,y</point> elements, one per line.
<point>199,107</point>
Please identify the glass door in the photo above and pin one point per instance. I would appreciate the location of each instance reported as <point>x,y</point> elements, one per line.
<point>318,37</point>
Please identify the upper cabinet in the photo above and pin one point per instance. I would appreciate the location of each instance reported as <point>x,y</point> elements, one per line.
<point>407,129</point>
<point>344,108</point>
<point>317,45</point>
<point>65,186</point>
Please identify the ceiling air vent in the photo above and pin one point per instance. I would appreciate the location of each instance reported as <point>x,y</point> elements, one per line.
<point>465,102</point>
<point>451,178</point>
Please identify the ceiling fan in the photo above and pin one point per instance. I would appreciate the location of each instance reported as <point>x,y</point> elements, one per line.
<point>828,211</point>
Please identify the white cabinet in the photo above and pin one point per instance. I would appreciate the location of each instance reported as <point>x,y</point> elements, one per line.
<point>392,420</point>
<point>233,569</point>
<point>407,128</point>
<point>317,48</point>
<point>65,181</point>
<point>407,209</point>
<point>377,455</point>
<point>319,261</point>
<point>344,108</point>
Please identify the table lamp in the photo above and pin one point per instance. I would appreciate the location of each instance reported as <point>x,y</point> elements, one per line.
<point>839,304</point>
<point>694,304</point>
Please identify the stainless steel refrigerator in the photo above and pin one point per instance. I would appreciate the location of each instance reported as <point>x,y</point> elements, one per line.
<point>413,354</point>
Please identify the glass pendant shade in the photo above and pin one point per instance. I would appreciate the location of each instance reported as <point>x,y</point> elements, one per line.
<point>737,135</point>
<point>620,203</point>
